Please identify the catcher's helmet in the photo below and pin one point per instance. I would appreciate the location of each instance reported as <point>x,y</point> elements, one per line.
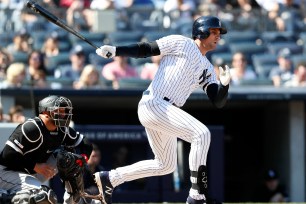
<point>201,26</point>
<point>55,106</point>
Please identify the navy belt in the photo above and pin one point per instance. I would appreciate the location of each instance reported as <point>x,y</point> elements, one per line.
<point>147,92</point>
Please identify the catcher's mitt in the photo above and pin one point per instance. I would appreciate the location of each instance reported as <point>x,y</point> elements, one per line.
<point>71,168</point>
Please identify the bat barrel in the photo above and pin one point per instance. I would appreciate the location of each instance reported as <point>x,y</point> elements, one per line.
<point>50,17</point>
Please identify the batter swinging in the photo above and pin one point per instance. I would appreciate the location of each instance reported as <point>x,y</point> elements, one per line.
<point>183,69</point>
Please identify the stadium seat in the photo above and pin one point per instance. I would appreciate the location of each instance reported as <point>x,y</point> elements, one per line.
<point>238,36</point>
<point>97,60</point>
<point>55,61</point>
<point>248,48</point>
<point>39,26</point>
<point>6,38</point>
<point>20,57</point>
<point>221,48</point>
<point>64,46</point>
<point>222,58</point>
<point>276,36</point>
<point>136,62</point>
<point>296,59</point>
<point>58,83</point>
<point>123,37</point>
<point>302,40</point>
<point>97,37</point>
<point>106,82</point>
<point>263,63</point>
<point>133,83</point>
<point>275,47</point>
<point>154,35</point>
<point>257,82</point>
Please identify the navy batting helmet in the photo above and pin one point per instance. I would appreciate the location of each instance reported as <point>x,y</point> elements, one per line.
<point>201,26</point>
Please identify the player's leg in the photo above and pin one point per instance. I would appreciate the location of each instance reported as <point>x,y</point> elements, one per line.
<point>176,122</point>
<point>164,162</point>
<point>24,187</point>
<point>16,181</point>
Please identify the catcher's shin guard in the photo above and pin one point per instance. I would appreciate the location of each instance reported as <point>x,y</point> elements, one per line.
<point>71,169</point>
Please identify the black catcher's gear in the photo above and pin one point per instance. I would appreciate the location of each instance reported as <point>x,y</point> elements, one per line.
<point>201,26</point>
<point>71,169</point>
<point>53,104</point>
<point>44,195</point>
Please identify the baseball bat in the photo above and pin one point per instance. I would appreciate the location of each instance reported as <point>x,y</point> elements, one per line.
<point>52,18</point>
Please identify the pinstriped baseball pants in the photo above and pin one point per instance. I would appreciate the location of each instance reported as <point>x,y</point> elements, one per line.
<point>164,123</point>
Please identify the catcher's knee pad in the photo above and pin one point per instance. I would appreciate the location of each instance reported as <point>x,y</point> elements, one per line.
<point>44,195</point>
<point>201,179</point>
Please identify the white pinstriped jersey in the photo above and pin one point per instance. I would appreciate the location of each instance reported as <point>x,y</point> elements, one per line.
<point>182,70</point>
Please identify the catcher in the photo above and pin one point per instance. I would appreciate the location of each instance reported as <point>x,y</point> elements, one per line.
<point>37,150</point>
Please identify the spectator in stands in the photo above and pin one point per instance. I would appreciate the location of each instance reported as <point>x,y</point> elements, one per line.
<point>111,4</point>
<point>240,70</point>
<point>36,63</point>
<point>78,15</point>
<point>20,43</point>
<point>270,190</point>
<point>178,13</point>
<point>94,165</point>
<point>68,3</point>
<point>209,7</point>
<point>120,157</point>
<point>39,80</point>
<point>284,71</point>
<point>16,114</point>
<point>89,79</point>
<point>50,46</point>
<point>284,15</point>
<point>74,70</point>
<point>299,76</point>
<point>186,7</point>
<point>118,69</point>
<point>149,69</point>
<point>15,76</point>
<point>5,61</point>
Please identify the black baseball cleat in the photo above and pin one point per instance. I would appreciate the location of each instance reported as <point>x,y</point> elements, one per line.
<point>104,186</point>
<point>190,200</point>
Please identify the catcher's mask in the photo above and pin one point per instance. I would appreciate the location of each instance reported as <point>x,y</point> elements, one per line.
<point>59,108</point>
<point>201,26</point>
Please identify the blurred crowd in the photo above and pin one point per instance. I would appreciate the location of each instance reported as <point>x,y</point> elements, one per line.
<point>265,45</point>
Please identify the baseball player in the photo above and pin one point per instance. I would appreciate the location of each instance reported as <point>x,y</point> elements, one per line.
<point>27,160</point>
<point>183,68</point>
